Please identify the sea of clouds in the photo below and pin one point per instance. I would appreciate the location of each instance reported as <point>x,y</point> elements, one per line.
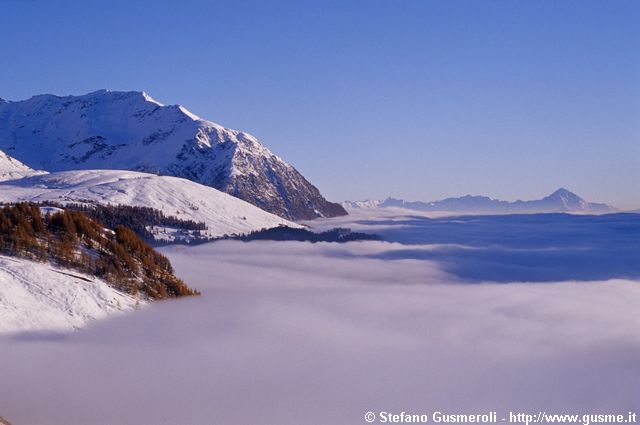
<point>300,333</point>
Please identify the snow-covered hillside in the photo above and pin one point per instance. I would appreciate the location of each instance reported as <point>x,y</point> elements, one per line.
<point>184,199</point>
<point>562,200</point>
<point>131,131</point>
<point>11,168</point>
<point>38,296</point>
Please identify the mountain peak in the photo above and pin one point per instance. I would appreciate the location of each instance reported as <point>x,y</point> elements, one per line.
<point>563,192</point>
<point>118,95</point>
<point>94,96</point>
<point>148,98</point>
<point>567,200</point>
<point>131,130</point>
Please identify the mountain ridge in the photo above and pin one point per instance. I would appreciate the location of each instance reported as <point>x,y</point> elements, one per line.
<point>561,200</point>
<point>132,131</point>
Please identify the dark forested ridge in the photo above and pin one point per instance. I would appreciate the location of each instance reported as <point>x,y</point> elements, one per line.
<point>284,233</point>
<point>71,239</point>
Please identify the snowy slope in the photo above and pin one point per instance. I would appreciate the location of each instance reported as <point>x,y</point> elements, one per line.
<point>222,213</point>
<point>562,200</point>
<point>11,168</point>
<point>38,296</point>
<point>131,131</point>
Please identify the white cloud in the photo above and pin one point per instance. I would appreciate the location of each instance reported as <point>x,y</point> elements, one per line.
<point>295,333</point>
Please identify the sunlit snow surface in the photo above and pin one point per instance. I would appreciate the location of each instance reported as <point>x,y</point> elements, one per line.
<point>38,296</point>
<point>295,333</point>
<point>176,197</point>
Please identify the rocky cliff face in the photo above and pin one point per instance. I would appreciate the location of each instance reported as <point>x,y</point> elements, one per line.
<point>131,131</point>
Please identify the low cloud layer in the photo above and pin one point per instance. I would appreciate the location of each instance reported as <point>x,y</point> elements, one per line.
<point>536,247</point>
<point>295,333</point>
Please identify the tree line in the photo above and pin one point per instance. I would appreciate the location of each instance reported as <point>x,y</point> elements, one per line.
<point>70,238</point>
<point>139,219</point>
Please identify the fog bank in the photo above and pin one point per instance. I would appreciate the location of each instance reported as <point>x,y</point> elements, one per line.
<point>295,333</point>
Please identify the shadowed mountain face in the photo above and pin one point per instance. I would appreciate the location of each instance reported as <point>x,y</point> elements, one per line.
<point>562,200</point>
<point>131,131</point>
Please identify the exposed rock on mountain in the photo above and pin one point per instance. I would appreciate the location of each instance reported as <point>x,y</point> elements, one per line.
<point>132,131</point>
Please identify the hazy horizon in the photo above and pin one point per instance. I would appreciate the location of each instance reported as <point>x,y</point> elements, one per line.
<point>484,195</point>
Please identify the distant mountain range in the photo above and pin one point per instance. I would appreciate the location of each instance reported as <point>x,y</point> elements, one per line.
<point>562,200</point>
<point>132,131</point>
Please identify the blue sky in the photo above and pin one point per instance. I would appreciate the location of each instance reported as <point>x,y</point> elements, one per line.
<point>413,99</point>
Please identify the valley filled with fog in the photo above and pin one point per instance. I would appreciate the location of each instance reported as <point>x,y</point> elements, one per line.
<point>461,314</point>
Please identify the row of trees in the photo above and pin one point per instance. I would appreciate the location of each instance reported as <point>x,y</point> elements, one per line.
<point>72,239</point>
<point>138,219</point>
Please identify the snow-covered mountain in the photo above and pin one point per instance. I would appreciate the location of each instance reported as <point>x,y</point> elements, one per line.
<point>184,199</point>
<point>562,200</point>
<point>367,203</point>
<point>132,131</point>
<point>39,296</point>
<point>11,168</point>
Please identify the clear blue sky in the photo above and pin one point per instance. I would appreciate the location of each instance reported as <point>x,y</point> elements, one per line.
<point>414,99</point>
